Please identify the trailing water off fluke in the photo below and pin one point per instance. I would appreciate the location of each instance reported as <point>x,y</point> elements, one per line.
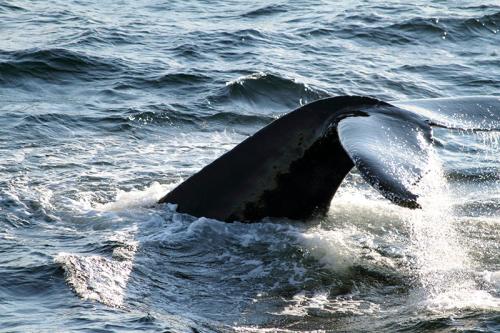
<point>292,167</point>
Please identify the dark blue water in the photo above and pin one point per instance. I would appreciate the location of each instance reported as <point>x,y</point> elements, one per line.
<point>105,106</point>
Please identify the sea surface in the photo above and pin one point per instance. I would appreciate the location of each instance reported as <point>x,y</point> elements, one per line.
<point>107,105</point>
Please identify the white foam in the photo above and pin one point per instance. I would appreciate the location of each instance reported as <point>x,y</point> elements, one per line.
<point>320,304</point>
<point>460,299</point>
<point>136,198</point>
<point>96,277</point>
<point>435,255</point>
<point>101,278</point>
<point>357,213</point>
<point>493,278</point>
<point>241,80</point>
<point>270,330</point>
<point>307,82</point>
<point>332,248</point>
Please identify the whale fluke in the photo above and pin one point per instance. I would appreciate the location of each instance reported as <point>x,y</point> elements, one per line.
<point>390,148</point>
<point>293,167</point>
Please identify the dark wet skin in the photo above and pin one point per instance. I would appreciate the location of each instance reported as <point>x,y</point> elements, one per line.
<point>293,167</point>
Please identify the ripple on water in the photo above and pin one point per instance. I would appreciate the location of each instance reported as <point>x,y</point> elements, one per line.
<point>99,103</point>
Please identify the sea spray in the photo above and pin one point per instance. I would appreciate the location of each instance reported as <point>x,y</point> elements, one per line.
<point>443,277</point>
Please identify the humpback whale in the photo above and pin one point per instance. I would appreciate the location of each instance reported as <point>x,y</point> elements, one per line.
<point>293,167</point>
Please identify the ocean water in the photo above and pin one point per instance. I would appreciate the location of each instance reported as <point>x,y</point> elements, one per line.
<point>106,105</point>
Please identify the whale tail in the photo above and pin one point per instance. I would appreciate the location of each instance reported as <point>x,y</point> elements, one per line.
<point>293,167</point>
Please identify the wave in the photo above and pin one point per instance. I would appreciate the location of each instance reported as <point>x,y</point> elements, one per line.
<point>36,280</point>
<point>247,34</point>
<point>6,7</point>
<point>269,92</point>
<point>452,28</point>
<point>483,23</point>
<point>99,36</point>
<point>59,125</point>
<point>474,175</point>
<point>411,31</point>
<point>265,11</point>
<point>167,80</point>
<point>163,115</point>
<point>174,84</point>
<point>418,24</point>
<point>277,256</point>
<point>224,42</point>
<point>188,50</point>
<point>479,208</point>
<point>54,64</point>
